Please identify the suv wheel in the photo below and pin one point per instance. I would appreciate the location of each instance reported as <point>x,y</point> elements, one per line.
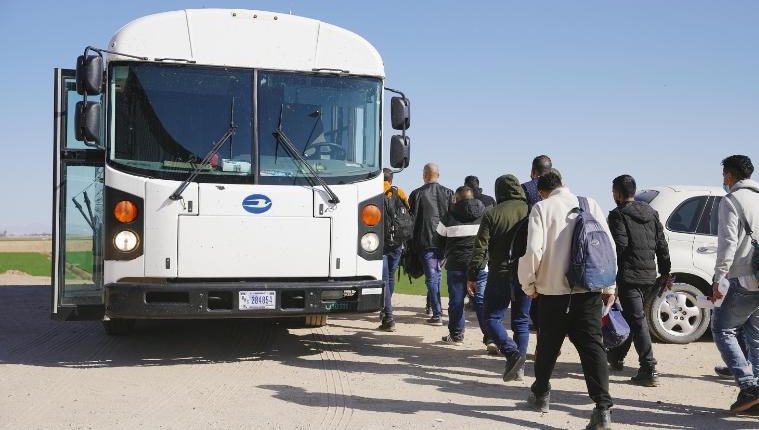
<point>674,316</point>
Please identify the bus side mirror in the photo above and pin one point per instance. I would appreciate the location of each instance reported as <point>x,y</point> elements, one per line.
<point>89,75</point>
<point>87,121</point>
<point>400,151</point>
<point>400,113</point>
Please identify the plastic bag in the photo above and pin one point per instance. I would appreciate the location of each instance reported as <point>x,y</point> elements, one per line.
<point>614,328</point>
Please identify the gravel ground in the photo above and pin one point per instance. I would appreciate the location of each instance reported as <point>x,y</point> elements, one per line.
<point>257,374</point>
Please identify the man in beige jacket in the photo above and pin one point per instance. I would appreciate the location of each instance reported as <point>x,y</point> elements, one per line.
<point>542,274</point>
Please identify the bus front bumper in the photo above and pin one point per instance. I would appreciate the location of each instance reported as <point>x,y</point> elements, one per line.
<point>241,299</point>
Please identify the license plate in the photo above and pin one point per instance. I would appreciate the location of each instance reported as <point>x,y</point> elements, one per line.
<point>257,300</point>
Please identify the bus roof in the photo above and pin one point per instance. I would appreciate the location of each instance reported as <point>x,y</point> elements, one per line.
<point>247,38</point>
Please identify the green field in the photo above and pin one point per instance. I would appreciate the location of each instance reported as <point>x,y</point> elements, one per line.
<point>83,259</point>
<point>37,264</point>
<point>417,287</point>
<point>31,263</point>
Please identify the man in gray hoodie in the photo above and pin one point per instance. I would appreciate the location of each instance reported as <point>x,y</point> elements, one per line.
<point>738,219</point>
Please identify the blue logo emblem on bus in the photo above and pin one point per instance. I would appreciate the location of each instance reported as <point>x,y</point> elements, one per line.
<point>256,203</point>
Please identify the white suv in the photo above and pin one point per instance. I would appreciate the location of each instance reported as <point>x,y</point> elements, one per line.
<point>689,215</point>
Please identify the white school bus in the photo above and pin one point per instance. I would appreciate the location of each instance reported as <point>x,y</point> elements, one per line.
<point>221,164</point>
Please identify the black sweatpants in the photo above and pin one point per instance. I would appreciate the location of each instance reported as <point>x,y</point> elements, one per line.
<point>631,297</point>
<point>583,326</point>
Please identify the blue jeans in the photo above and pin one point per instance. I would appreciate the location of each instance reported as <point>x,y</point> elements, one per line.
<point>499,293</point>
<point>740,309</point>
<point>390,262</point>
<point>431,261</point>
<point>479,301</point>
<point>456,295</point>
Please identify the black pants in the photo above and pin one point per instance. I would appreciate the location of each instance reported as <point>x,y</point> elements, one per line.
<point>631,297</point>
<point>583,326</point>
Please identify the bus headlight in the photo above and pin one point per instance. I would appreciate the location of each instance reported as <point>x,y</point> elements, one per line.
<point>370,242</point>
<point>125,241</point>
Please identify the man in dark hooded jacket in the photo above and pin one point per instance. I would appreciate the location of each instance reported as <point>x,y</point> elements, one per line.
<point>458,228</point>
<point>639,237</point>
<point>497,238</point>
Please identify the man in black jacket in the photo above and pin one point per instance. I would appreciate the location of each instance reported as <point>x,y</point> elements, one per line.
<point>473,182</point>
<point>429,203</point>
<point>459,229</point>
<point>639,237</point>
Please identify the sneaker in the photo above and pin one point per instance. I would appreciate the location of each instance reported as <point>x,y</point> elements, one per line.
<point>453,340</point>
<point>520,374</point>
<point>723,372</point>
<point>747,399</point>
<point>428,311</point>
<point>438,321</point>
<point>492,348</point>
<point>646,378</point>
<point>600,420</point>
<point>540,403</point>
<point>514,362</point>
<point>617,366</point>
<point>387,325</point>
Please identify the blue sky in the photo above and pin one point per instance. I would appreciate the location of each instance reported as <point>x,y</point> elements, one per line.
<point>662,90</point>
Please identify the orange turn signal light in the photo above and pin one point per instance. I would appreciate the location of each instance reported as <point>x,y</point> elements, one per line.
<point>125,211</point>
<point>371,215</point>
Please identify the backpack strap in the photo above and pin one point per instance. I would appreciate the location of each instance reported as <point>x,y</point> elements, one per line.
<point>583,204</point>
<point>742,216</point>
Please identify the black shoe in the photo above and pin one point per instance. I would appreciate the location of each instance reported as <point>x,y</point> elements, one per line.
<point>617,366</point>
<point>723,372</point>
<point>646,378</point>
<point>514,362</point>
<point>540,403</point>
<point>387,325</point>
<point>438,321</point>
<point>428,311</point>
<point>520,374</point>
<point>453,340</point>
<point>747,399</point>
<point>600,420</point>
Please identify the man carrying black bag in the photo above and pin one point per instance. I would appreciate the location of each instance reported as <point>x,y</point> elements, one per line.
<point>399,225</point>
<point>639,237</point>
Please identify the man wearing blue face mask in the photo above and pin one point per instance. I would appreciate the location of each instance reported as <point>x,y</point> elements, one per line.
<point>737,251</point>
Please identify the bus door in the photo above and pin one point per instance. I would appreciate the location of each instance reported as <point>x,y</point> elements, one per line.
<point>77,254</point>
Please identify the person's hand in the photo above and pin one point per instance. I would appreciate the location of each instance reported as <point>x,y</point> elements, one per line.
<point>716,293</point>
<point>668,281</point>
<point>534,295</point>
<point>471,287</point>
<point>608,299</point>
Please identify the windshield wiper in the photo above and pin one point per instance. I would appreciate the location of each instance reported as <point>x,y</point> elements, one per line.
<point>177,195</point>
<point>282,138</point>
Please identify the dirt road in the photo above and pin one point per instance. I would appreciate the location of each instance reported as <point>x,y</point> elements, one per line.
<point>249,374</point>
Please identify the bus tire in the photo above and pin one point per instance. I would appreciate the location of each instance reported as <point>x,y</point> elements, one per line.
<point>118,326</point>
<point>316,320</point>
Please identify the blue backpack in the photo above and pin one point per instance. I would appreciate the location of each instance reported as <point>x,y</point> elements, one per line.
<point>592,263</point>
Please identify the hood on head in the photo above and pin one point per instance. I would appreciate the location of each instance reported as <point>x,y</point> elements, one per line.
<point>507,187</point>
<point>468,210</point>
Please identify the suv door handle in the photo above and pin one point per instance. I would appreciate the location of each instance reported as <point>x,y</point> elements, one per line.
<point>707,250</point>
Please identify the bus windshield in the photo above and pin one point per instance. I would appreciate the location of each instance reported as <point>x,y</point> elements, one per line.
<point>166,118</point>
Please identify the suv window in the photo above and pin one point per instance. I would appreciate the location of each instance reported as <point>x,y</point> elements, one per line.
<point>708,224</point>
<point>685,218</point>
<point>646,196</point>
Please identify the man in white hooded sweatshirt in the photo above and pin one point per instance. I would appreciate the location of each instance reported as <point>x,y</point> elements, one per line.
<point>738,218</point>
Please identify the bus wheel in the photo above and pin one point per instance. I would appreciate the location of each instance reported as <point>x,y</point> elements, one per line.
<point>316,320</point>
<point>118,326</point>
